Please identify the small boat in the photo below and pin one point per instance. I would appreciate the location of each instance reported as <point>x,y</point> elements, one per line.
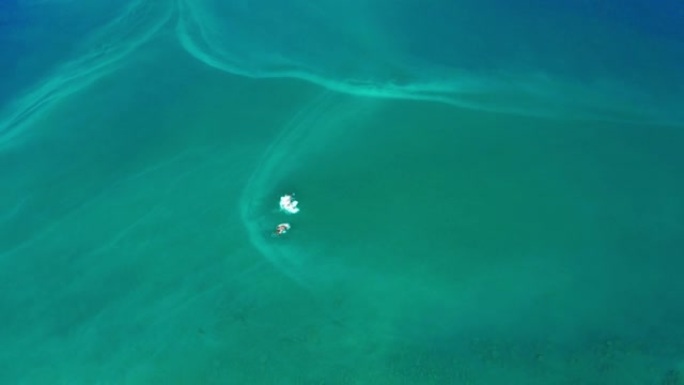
<point>281,229</point>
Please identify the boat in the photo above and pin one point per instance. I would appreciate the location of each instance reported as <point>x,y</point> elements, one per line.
<point>281,229</point>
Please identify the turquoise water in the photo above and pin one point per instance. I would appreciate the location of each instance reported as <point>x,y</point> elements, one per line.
<point>490,193</point>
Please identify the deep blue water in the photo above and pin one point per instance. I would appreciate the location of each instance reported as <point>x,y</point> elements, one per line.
<point>35,38</point>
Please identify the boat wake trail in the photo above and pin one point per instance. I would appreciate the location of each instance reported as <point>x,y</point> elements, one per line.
<point>313,126</point>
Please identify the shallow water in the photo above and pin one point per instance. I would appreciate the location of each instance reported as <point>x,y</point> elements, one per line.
<point>500,227</point>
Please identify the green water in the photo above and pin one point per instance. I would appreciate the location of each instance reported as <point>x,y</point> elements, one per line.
<point>434,245</point>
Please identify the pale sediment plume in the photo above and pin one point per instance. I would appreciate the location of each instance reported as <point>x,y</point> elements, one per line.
<point>256,40</point>
<point>363,50</point>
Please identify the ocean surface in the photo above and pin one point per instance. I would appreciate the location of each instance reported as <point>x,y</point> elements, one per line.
<point>491,192</point>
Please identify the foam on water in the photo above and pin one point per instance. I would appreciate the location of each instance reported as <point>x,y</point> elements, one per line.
<point>288,204</point>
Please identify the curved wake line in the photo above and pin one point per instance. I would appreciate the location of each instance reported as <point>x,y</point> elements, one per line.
<point>277,157</point>
<point>535,95</point>
<point>105,55</point>
<point>316,124</point>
